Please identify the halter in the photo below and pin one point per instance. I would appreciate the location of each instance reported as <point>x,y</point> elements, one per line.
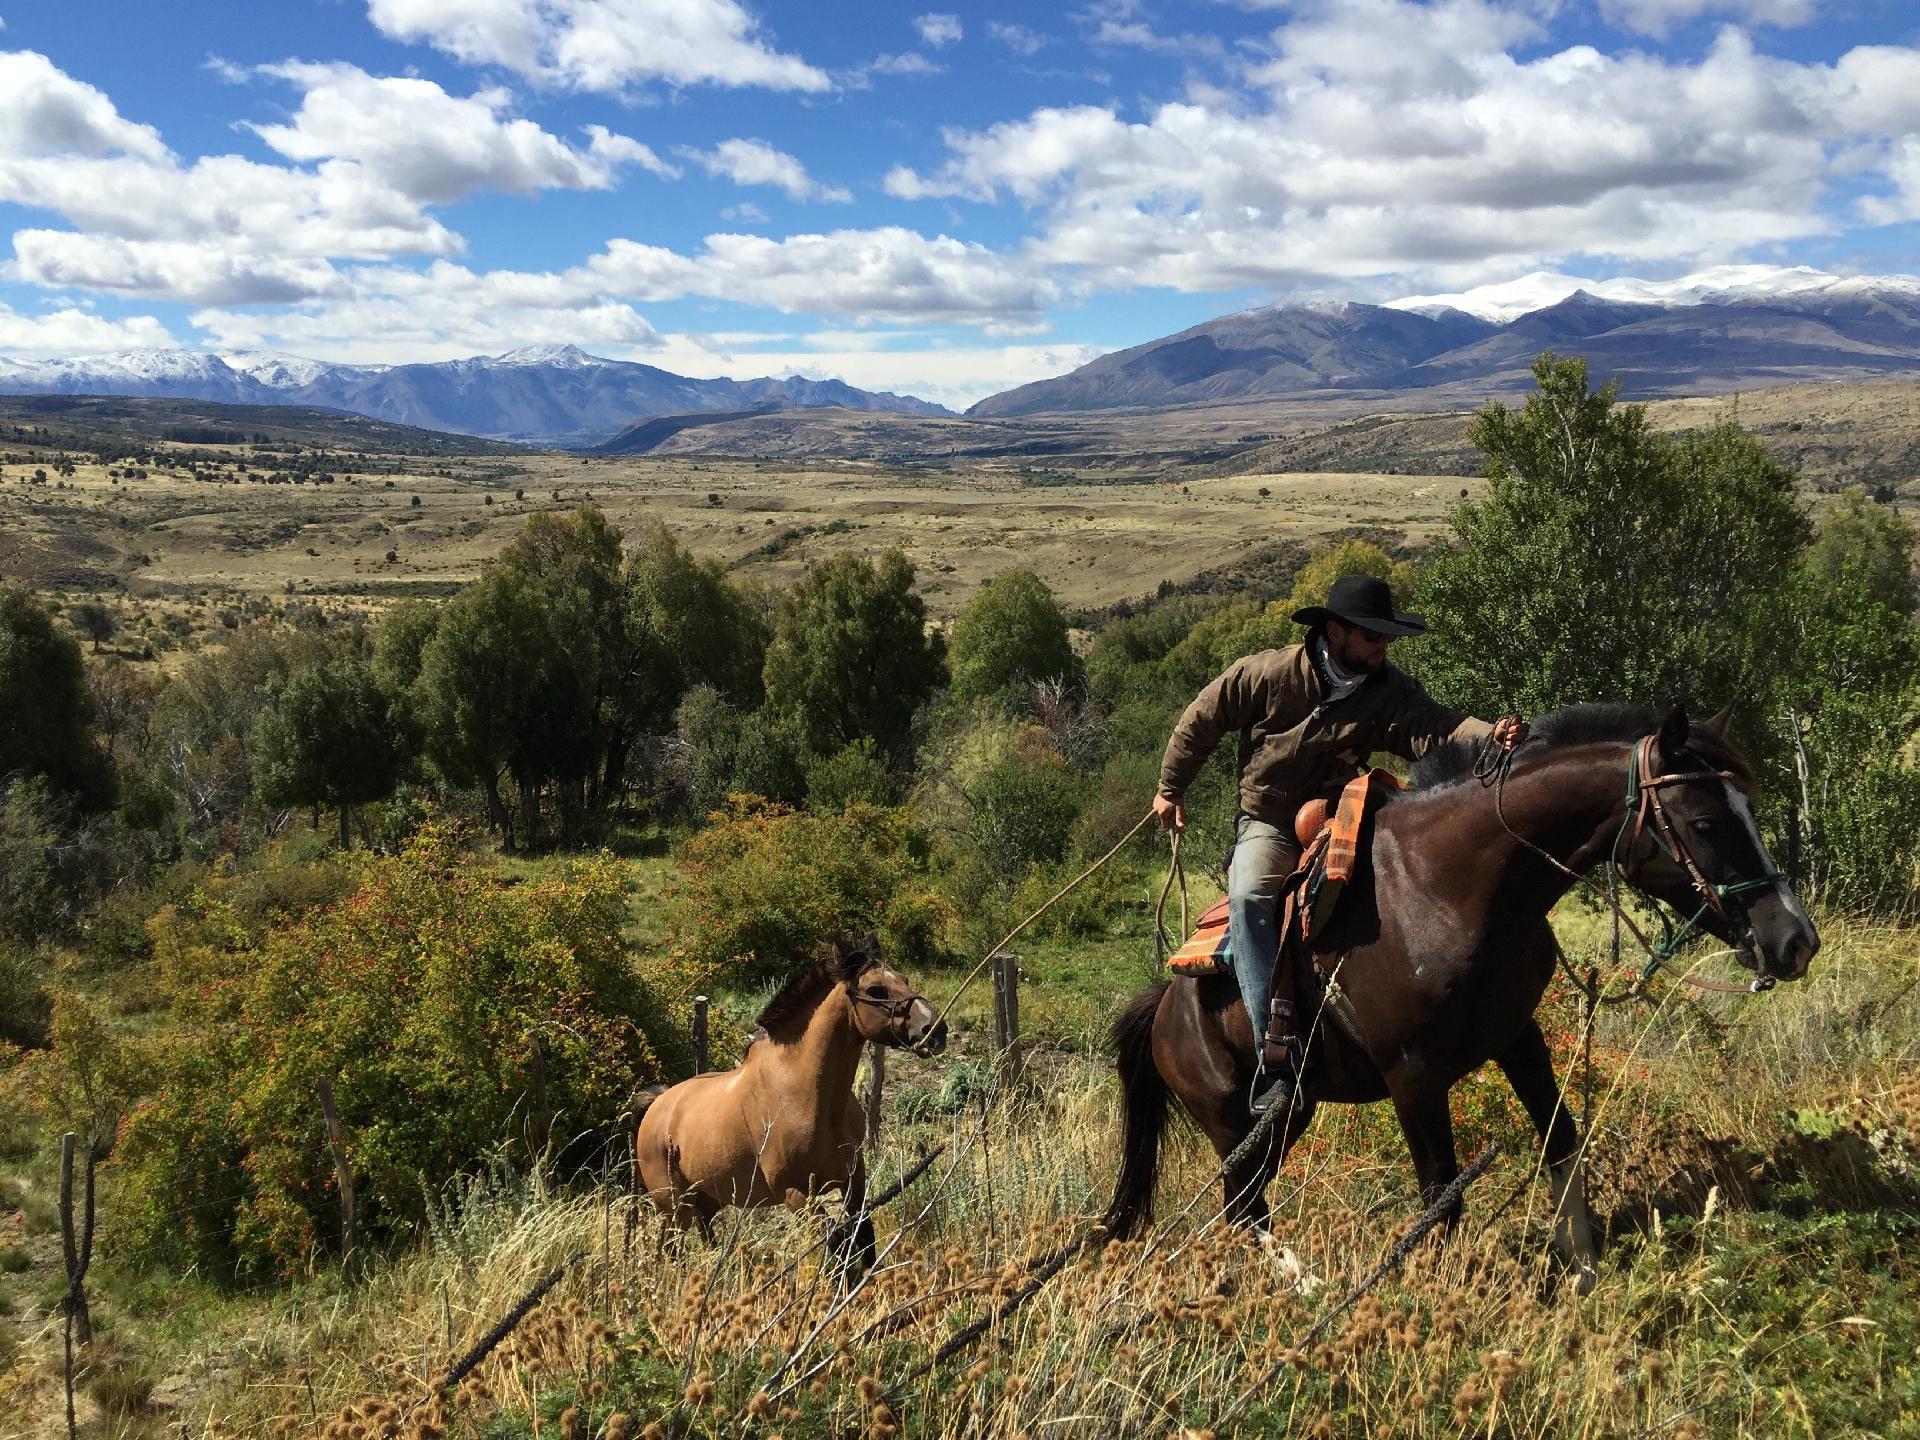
<point>896,1009</point>
<point>1644,783</point>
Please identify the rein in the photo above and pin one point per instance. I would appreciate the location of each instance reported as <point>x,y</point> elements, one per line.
<point>1645,781</point>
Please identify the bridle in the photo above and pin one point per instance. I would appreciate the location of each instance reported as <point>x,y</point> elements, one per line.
<point>1646,814</point>
<point>896,1008</point>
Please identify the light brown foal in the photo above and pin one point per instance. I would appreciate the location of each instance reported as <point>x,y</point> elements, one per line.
<point>785,1125</point>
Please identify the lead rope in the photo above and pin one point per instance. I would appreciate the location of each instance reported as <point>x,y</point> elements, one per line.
<point>1054,899</point>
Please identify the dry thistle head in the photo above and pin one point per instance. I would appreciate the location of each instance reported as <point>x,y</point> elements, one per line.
<point>571,1426</point>
<point>619,1426</point>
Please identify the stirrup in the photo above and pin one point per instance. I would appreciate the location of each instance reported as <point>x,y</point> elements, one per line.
<point>1269,1093</point>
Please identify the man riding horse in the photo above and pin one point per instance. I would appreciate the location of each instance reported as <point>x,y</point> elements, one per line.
<point>1308,717</point>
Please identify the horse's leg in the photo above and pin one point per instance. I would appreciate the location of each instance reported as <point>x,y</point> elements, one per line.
<point>857,1227</point>
<point>1427,1123</point>
<point>1529,1069</point>
<point>1243,1189</point>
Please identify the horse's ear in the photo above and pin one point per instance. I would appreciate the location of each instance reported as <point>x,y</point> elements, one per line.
<point>1716,724</point>
<point>1672,739</point>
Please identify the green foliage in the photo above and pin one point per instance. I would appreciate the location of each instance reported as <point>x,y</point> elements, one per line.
<point>1024,806</point>
<point>727,751</point>
<point>1607,561</point>
<point>855,776</point>
<point>452,1015</point>
<point>851,656</point>
<point>1012,632</point>
<point>331,738</point>
<point>48,713</point>
<point>400,644</point>
<point>25,1005</point>
<point>762,887</point>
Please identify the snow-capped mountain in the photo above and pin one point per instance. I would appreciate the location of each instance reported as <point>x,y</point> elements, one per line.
<point>542,394</point>
<point>1722,284</point>
<point>1733,327</point>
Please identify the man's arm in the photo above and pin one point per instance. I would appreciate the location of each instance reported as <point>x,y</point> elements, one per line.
<point>1424,722</point>
<point>1226,704</point>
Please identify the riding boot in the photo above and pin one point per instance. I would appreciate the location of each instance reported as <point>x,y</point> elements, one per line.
<point>1279,1073</point>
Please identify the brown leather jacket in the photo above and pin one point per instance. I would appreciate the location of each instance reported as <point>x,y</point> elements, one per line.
<point>1294,747</point>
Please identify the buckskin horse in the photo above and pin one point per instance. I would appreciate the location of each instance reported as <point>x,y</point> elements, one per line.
<point>784,1125</point>
<point>1444,950</point>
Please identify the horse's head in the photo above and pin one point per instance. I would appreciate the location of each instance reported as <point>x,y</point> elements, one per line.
<point>1690,840</point>
<point>886,1009</point>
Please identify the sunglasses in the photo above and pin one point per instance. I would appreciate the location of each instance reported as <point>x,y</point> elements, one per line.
<point>1374,637</point>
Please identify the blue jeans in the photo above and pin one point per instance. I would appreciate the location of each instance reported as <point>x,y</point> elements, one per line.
<point>1263,856</point>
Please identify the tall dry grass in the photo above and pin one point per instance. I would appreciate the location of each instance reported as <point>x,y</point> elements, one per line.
<point>1753,1160</point>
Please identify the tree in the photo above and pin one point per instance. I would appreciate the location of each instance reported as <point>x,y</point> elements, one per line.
<point>851,655</point>
<point>94,621</point>
<point>1607,561</point>
<point>1012,632</point>
<point>48,715</point>
<point>400,644</point>
<point>328,738</point>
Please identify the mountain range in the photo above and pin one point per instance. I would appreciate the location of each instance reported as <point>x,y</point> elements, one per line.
<point>545,395</point>
<point>1688,338</point>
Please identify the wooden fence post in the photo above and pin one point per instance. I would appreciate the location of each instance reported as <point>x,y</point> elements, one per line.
<point>1006,1014</point>
<point>78,1254</point>
<point>876,1078</point>
<point>343,1172</point>
<point>699,1034</point>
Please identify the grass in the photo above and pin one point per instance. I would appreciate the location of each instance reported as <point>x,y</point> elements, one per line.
<point>1753,1167</point>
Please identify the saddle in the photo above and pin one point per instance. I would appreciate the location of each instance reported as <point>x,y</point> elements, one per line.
<point>1329,850</point>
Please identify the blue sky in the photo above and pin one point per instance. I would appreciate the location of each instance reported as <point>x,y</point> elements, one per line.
<point>945,201</point>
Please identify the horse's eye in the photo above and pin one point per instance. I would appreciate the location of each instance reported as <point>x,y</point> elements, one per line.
<point>876,992</point>
<point>1702,826</point>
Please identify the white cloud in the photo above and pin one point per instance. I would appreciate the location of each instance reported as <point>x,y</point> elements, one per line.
<point>746,213</point>
<point>937,29</point>
<point>863,277</point>
<point>171,269</point>
<point>911,63</point>
<point>603,45</point>
<point>434,147</point>
<point>46,112</point>
<point>1018,38</point>
<point>1439,157</point>
<point>77,332</point>
<point>955,376</point>
<point>1659,17</point>
<point>754,162</point>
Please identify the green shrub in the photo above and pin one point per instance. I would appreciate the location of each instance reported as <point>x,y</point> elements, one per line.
<point>854,776</point>
<point>451,1014</point>
<point>25,1006</point>
<point>761,887</point>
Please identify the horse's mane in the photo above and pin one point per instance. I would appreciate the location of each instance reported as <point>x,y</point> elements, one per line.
<point>1584,724</point>
<point>839,962</point>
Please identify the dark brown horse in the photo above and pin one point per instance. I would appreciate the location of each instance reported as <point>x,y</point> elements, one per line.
<point>1447,949</point>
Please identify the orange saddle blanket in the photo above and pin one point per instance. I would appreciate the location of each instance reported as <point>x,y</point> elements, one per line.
<point>1311,892</point>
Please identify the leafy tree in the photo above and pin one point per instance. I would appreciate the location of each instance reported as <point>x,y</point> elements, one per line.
<point>727,751</point>
<point>1011,632</point>
<point>94,621</point>
<point>1607,560</point>
<point>400,644</point>
<point>47,711</point>
<point>1847,699</point>
<point>851,655</point>
<point>328,739</point>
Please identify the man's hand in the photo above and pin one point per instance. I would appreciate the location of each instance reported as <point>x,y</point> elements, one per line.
<point>1171,814</point>
<point>1510,732</point>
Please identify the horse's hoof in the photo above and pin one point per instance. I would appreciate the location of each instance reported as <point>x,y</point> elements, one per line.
<point>1584,1279</point>
<point>1298,1278</point>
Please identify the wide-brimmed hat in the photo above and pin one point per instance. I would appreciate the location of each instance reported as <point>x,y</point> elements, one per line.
<point>1363,601</point>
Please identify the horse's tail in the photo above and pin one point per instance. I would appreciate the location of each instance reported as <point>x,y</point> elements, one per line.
<point>1144,1094</point>
<point>638,1106</point>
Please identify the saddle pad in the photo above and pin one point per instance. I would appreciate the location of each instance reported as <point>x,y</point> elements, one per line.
<point>1343,846</point>
<point>1205,952</point>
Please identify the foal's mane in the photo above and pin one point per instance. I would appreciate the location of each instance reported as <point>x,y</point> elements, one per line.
<point>1589,723</point>
<point>838,963</point>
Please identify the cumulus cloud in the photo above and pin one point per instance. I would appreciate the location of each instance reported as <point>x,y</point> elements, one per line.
<point>46,112</point>
<point>1659,17</point>
<point>1438,157</point>
<point>77,332</point>
<point>937,30</point>
<point>886,276</point>
<point>435,147</point>
<point>602,45</point>
<point>754,162</point>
